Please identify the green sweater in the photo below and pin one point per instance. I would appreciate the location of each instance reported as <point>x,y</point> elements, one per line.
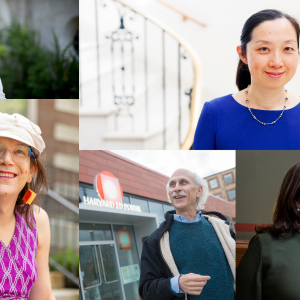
<point>270,269</point>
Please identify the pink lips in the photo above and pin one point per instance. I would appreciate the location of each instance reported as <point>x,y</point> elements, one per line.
<point>7,178</point>
<point>275,74</point>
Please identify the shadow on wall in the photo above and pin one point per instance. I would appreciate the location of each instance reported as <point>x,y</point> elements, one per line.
<point>28,70</point>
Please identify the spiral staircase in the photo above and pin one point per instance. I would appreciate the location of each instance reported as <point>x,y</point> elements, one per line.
<point>140,81</point>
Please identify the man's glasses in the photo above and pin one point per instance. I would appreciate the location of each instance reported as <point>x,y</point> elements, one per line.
<point>19,153</point>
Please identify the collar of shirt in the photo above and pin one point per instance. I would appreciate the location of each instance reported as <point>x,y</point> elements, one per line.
<point>184,220</point>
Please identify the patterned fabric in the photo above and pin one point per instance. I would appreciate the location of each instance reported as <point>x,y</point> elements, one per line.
<point>18,271</point>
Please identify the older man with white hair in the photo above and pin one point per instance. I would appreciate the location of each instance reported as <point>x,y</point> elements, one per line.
<point>191,254</point>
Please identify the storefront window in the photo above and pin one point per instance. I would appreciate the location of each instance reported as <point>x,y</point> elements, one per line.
<point>142,203</point>
<point>80,297</point>
<point>87,192</point>
<point>128,259</point>
<point>126,199</point>
<point>94,232</point>
<point>157,208</point>
<point>100,272</point>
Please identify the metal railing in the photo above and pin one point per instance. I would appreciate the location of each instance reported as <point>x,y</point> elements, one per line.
<point>124,100</point>
<point>64,225</point>
<point>184,16</point>
<point>61,204</point>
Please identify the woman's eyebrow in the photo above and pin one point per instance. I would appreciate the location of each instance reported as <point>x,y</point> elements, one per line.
<point>291,41</point>
<point>262,41</point>
<point>267,42</point>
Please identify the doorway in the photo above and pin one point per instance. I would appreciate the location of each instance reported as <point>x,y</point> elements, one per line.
<point>99,272</point>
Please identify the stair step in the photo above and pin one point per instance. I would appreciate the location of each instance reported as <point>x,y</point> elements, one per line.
<point>66,294</point>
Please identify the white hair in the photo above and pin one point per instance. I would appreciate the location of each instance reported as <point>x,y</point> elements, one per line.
<point>200,201</point>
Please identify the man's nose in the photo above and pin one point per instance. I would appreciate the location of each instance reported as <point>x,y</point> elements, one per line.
<point>177,187</point>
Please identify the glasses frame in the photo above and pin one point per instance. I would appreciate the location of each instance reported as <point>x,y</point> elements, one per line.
<point>8,149</point>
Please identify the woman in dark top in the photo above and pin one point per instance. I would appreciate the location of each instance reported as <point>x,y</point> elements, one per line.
<point>270,268</point>
<point>263,114</point>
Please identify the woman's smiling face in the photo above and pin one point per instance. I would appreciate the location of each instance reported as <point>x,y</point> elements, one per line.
<point>272,54</point>
<point>13,176</point>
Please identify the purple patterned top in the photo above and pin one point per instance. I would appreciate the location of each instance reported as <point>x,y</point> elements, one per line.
<point>18,271</point>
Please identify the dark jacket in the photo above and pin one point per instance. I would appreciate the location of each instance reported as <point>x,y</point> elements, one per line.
<point>155,273</point>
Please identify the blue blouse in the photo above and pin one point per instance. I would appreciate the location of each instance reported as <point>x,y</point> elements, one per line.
<point>224,124</point>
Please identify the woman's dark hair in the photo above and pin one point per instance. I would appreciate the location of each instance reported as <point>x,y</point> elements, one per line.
<point>38,185</point>
<point>243,77</point>
<point>286,218</point>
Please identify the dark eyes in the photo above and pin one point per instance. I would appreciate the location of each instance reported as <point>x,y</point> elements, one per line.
<point>289,49</point>
<point>265,49</point>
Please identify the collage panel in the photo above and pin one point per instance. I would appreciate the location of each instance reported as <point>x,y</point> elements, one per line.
<point>100,197</point>
<point>142,215</point>
<point>170,75</point>
<point>39,168</point>
<point>268,187</point>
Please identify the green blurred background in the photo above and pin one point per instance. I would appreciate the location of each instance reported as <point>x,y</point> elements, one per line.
<point>30,70</point>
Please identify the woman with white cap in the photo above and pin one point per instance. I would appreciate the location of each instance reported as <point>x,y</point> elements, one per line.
<point>2,95</point>
<point>24,228</point>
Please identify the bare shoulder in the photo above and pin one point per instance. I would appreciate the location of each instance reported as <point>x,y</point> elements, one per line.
<point>40,215</point>
<point>42,223</point>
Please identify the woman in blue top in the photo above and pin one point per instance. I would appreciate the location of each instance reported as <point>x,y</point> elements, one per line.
<point>263,114</point>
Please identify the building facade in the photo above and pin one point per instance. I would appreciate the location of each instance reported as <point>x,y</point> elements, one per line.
<point>121,204</point>
<point>223,184</point>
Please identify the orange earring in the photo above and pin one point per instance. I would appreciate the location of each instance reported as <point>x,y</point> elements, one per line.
<point>29,196</point>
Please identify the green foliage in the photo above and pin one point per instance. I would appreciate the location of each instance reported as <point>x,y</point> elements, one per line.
<point>28,70</point>
<point>70,260</point>
<point>67,259</point>
<point>11,106</point>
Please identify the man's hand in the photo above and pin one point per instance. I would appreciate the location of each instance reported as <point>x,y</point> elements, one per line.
<point>192,284</point>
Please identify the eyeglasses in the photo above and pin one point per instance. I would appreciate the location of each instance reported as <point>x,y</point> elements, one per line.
<point>19,153</point>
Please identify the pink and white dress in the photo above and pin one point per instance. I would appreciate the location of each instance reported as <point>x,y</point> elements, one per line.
<point>18,271</point>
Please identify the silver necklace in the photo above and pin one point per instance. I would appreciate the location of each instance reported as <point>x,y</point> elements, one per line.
<point>262,123</point>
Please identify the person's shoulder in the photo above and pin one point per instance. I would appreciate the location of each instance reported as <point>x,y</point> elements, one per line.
<point>220,102</point>
<point>216,215</point>
<point>153,238</point>
<point>264,239</point>
<point>42,223</point>
<point>40,215</point>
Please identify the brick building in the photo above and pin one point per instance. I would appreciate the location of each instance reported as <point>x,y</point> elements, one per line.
<point>114,231</point>
<point>223,184</point>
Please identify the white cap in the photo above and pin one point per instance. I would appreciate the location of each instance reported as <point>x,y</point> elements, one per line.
<point>21,129</point>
